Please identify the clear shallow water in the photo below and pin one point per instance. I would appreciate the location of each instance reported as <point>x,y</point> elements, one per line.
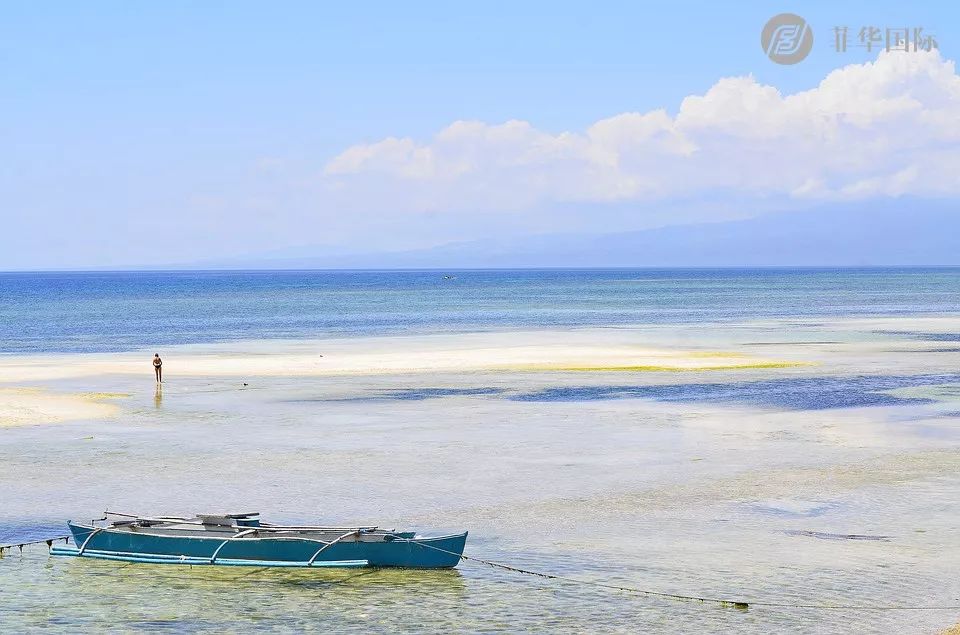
<point>122,311</point>
<point>689,498</point>
<point>718,484</point>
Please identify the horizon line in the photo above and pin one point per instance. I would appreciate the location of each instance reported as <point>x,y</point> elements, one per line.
<point>473,269</point>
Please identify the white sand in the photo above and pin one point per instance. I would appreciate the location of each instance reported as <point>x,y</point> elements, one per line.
<point>579,350</point>
<point>544,350</point>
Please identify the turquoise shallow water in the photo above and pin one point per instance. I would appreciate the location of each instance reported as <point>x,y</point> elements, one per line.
<point>82,312</point>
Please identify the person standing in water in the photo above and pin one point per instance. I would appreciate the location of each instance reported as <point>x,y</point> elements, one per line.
<point>157,364</point>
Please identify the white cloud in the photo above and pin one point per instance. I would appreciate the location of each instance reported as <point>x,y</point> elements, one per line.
<point>886,128</point>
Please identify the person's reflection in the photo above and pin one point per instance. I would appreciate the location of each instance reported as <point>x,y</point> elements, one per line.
<point>158,396</point>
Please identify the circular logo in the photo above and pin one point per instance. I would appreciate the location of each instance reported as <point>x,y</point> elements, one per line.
<point>786,38</point>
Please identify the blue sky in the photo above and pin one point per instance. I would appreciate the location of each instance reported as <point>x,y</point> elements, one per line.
<point>178,131</point>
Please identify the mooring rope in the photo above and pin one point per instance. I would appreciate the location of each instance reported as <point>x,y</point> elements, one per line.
<point>738,604</point>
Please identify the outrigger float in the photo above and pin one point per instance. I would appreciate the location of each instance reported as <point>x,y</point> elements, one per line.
<point>242,540</point>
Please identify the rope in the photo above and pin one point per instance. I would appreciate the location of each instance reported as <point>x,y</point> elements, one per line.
<point>738,604</point>
<point>552,576</point>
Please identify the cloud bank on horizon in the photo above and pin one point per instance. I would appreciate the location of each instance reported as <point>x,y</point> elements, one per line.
<point>886,132</point>
<point>885,128</point>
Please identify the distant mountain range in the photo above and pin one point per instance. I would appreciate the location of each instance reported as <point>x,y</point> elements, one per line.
<point>891,232</point>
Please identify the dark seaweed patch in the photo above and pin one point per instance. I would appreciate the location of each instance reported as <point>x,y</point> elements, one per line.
<point>798,393</point>
<point>930,337</point>
<point>419,394</point>
<point>814,511</point>
<point>827,536</point>
<point>411,394</point>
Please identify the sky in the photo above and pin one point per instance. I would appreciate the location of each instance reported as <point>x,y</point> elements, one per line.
<point>181,132</point>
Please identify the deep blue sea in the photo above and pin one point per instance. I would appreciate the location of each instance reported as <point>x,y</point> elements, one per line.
<point>114,311</point>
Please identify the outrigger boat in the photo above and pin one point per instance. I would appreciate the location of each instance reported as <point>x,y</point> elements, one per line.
<point>242,540</point>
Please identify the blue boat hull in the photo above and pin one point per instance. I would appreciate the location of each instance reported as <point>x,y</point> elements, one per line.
<point>427,553</point>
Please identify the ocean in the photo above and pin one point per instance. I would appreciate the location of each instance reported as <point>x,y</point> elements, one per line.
<point>116,311</point>
<point>831,482</point>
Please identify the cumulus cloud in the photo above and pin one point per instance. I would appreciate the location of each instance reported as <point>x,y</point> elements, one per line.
<point>885,128</point>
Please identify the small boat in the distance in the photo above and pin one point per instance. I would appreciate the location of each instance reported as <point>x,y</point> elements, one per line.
<point>242,540</point>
